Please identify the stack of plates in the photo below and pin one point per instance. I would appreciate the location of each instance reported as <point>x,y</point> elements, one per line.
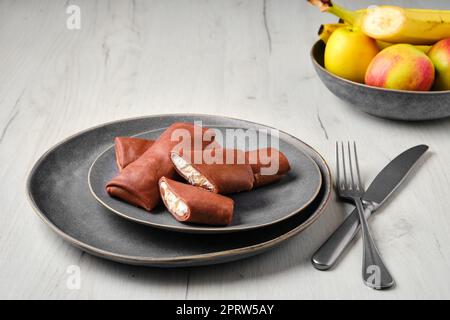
<point>67,190</point>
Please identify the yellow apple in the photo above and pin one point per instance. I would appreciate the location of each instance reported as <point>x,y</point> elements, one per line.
<point>349,52</point>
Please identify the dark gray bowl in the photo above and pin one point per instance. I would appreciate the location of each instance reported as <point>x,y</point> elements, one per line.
<point>384,103</point>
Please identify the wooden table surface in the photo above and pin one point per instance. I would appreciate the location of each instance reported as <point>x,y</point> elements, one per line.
<point>247,59</point>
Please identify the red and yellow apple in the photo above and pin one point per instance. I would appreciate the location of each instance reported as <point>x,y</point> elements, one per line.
<point>440,56</point>
<point>349,52</point>
<point>401,67</point>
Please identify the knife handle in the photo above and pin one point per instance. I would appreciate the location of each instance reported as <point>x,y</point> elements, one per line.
<point>330,251</point>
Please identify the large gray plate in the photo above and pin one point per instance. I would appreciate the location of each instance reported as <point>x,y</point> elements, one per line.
<point>58,191</point>
<point>258,208</point>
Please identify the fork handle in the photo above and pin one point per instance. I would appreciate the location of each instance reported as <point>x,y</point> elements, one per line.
<point>374,272</point>
<point>326,256</point>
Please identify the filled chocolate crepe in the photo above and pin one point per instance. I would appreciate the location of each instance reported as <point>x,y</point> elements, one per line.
<point>236,171</point>
<point>129,149</point>
<point>220,178</point>
<point>137,183</point>
<point>194,204</point>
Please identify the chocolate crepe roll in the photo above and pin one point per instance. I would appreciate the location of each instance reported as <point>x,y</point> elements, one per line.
<point>138,182</point>
<point>128,149</point>
<point>273,160</point>
<point>194,204</point>
<point>216,177</point>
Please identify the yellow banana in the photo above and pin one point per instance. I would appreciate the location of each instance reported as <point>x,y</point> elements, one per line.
<point>394,24</point>
<point>326,30</point>
<point>383,45</point>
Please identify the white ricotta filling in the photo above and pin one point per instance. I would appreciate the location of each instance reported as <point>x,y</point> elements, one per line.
<point>175,204</point>
<point>190,173</point>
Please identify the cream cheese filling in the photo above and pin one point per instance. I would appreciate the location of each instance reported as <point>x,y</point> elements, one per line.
<point>190,173</point>
<point>175,204</point>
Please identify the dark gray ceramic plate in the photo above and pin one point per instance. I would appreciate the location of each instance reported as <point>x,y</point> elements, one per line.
<point>58,191</point>
<point>258,208</point>
<point>384,103</point>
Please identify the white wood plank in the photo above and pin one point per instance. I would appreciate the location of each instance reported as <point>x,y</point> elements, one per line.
<point>247,59</point>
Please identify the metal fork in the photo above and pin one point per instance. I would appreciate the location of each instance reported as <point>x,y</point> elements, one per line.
<point>374,272</point>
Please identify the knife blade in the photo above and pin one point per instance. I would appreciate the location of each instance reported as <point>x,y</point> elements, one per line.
<point>378,192</point>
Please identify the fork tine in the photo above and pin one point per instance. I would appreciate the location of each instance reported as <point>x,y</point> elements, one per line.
<point>360,186</point>
<point>338,178</point>
<point>343,165</point>
<point>352,184</point>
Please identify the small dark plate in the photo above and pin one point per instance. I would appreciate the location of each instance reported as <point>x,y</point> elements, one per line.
<point>58,191</point>
<point>380,102</point>
<point>255,209</point>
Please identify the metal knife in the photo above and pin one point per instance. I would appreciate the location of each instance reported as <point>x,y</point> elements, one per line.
<point>379,190</point>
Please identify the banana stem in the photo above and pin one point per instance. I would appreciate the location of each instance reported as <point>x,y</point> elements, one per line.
<point>351,17</point>
<point>346,15</point>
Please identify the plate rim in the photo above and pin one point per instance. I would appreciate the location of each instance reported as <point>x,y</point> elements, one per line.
<point>149,261</point>
<point>203,229</point>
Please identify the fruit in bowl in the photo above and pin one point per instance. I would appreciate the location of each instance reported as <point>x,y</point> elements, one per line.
<point>440,55</point>
<point>381,102</point>
<point>349,52</point>
<point>413,54</point>
<point>401,67</point>
<point>405,36</point>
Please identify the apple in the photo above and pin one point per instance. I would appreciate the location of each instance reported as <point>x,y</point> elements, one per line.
<point>440,56</point>
<point>348,53</point>
<point>401,67</point>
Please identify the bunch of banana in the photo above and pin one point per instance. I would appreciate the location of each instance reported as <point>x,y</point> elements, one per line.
<point>393,24</point>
